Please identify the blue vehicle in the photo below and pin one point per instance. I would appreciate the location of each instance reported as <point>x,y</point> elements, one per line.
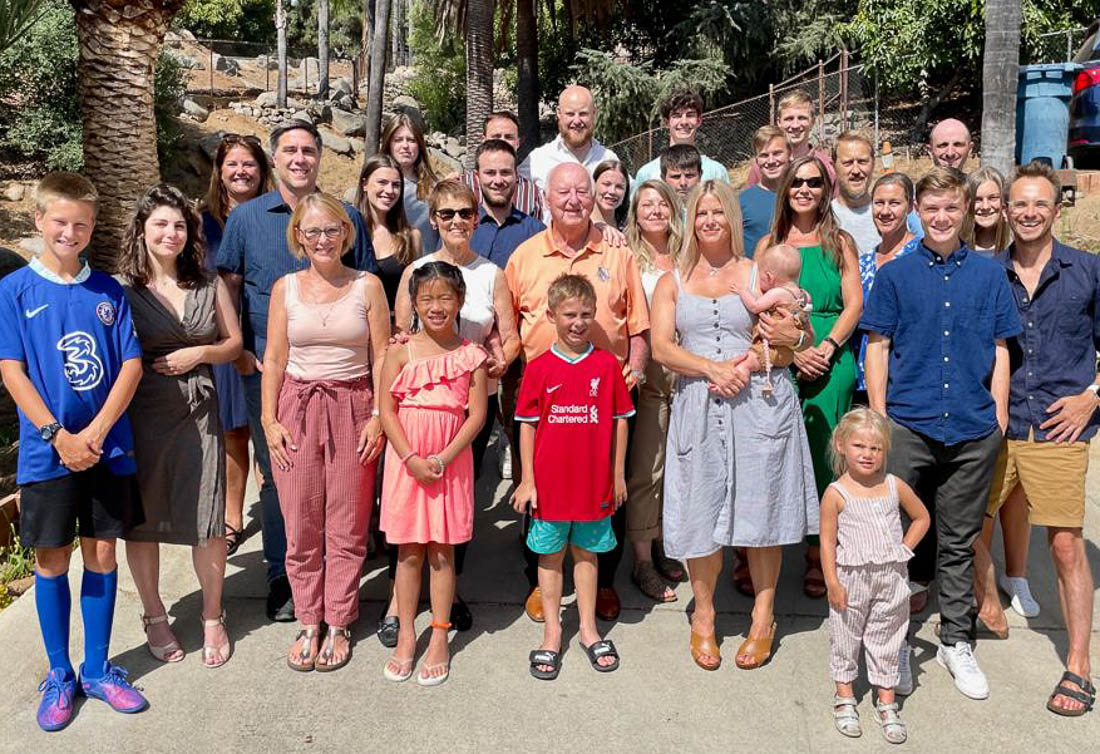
<point>1084,109</point>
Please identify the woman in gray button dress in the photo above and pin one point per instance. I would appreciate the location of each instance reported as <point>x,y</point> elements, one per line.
<point>738,469</point>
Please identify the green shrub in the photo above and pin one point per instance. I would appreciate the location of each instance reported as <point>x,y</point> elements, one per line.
<point>169,86</point>
<point>440,82</point>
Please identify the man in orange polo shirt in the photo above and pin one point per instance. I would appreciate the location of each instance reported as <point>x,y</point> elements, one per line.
<point>572,244</point>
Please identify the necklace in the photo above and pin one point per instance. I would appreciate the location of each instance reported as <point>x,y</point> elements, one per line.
<point>325,315</point>
<point>712,270</point>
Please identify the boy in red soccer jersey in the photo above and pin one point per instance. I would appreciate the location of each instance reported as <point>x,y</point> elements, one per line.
<point>573,405</point>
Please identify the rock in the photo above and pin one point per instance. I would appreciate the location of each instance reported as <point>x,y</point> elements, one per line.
<point>172,38</point>
<point>321,112</point>
<point>344,102</point>
<point>445,164</point>
<point>183,60</point>
<point>209,144</point>
<point>348,124</point>
<point>15,192</point>
<point>185,34</point>
<point>302,115</point>
<point>228,66</point>
<point>453,148</point>
<point>267,62</point>
<point>266,99</point>
<point>341,85</point>
<point>33,244</point>
<point>349,196</point>
<point>310,69</point>
<point>195,110</point>
<point>357,145</point>
<point>337,143</point>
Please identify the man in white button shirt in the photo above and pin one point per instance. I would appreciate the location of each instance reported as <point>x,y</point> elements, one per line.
<point>574,143</point>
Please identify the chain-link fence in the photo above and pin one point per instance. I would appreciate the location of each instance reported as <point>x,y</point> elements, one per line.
<point>1055,46</point>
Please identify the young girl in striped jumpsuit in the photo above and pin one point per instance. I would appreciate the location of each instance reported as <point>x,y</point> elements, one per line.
<point>864,555</point>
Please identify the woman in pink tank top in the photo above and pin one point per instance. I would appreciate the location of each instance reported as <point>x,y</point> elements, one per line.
<point>328,326</point>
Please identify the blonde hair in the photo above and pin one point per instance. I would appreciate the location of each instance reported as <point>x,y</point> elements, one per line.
<point>65,186</point>
<point>451,189</point>
<point>764,135</point>
<point>781,259</point>
<point>689,255</point>
<point>643,250</point>
<point>796,98</point>
<point>855,420</point>
<point>970,226</point>
<point>328,204</point>
<point>567,286</point>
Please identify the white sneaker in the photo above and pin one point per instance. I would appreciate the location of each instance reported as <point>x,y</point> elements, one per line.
<point>1019,590</point>
<point>505,458</point>
<point>905,678</point>
<point>960,662</point>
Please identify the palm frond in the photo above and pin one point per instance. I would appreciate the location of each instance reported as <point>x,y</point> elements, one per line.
<point>16,16</point>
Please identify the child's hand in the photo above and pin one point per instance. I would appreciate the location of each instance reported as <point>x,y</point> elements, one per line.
<point>399,338</point>
<point>371,441</point>
<point>620,490</point>
<point>423,470</point>
<point>279,444</point>
<point>838,596</point>
<point>525,493</point>
<point>76,453</point>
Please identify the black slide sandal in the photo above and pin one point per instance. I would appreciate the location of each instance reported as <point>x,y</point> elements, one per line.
<point>1087,695</point>
<point>602,648</point>
<point>545,657</point>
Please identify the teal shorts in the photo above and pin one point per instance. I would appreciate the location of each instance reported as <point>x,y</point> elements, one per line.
<point>549,537</point>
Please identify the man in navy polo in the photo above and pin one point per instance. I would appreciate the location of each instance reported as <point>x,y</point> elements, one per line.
<point>252,256</point>
<point>1051,412</point>
<point>502,226</point>
<point>938,368</point>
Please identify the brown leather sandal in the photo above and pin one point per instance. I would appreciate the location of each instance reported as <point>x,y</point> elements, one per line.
<point>705,646</point>
<point>759,649</point>
<point>813,581</point>
<point>742,576</point>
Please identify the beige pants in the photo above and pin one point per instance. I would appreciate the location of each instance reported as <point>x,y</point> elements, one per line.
<point>645,484</point>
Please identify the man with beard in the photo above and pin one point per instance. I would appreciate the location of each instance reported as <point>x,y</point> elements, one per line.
<point>504,125</point>
<point>772,150</point>
<point>502,226</point>
<point>854,158</point>
<point>574,142</point>
<point>950,144</point>
<point>682,115</point>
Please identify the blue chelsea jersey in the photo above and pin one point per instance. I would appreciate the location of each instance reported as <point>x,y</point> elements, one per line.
<point>73,339</point>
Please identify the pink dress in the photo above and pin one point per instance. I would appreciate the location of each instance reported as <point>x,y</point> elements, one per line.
<point>431,395</point>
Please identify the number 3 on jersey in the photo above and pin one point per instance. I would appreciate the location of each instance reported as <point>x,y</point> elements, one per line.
<point>83,367</point>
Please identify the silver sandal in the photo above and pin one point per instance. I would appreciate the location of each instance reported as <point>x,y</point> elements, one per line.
<point>845,716</point>
<point>306,660</point>
<point>893,729</point>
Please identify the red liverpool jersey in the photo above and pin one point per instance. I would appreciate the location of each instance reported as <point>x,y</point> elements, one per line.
<point>575,402</point>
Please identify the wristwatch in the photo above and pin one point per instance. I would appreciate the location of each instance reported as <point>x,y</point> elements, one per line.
<point>1094,389</point>
<point>829,339</point>
<point>49,432</point>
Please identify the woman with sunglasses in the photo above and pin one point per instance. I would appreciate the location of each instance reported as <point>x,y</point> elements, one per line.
<point>830,274</point>
<point>379,198</point>
<point>486,318</point>
<point>403,140</point>
<point>241,173</point>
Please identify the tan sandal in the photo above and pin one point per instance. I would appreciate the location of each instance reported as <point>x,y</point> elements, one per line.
<point>705,646</point>
<point>163,651</point>
<point>759,649</point>
<point>211,652</point>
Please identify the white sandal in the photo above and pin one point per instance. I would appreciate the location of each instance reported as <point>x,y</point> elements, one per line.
<point>893,729</point>
<point>164,650</point>
<point>845,716</point>
<point>211,652</point>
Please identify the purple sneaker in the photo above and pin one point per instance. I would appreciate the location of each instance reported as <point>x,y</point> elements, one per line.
<point>56,709</point>
<point>114,689</point>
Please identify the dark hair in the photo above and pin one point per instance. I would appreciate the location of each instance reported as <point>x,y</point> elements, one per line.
<point>681,99</point>
<point>133,260</point>
<point>216,201</point>
<point>506,114</point>
<point>444,271</point>
<point>681,156</point>
<point>624,206</point>
<point>294,125</point>
<point>833,238</point>
<point>895,179</point>
<point>493,145</point>
<point>396,221</point>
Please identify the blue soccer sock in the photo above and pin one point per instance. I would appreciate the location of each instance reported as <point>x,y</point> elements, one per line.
<point>97,604</point>
<point>54,603</point>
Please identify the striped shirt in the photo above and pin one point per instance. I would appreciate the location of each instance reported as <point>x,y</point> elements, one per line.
<point>869,528</point>
<point>527,198</point>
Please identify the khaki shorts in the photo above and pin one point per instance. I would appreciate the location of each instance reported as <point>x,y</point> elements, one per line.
<point>1052,477</point>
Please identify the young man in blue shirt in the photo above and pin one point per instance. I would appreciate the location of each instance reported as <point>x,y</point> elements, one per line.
<point>938,368</point>
<point>71,361</point>
<point>772,152</point>
<point>253,255</point>
<point>682,115</point>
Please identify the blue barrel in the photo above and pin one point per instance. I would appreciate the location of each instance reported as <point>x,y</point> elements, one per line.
<point>1042,111</point>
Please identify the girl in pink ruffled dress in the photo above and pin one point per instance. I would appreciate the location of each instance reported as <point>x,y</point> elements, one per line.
<point>431,413</point>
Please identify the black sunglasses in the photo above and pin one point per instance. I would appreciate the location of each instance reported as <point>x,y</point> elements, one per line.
<point>446,215</point>
<point>238,139</point>
<point>815,183</point>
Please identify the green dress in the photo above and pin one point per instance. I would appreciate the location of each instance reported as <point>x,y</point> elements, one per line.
<point>827,398</point>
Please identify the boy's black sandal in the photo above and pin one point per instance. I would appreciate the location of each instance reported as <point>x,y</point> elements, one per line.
<point>545,657</point>
<point>388,627</point>
<point>602,648</point>
<point>1087,695</point>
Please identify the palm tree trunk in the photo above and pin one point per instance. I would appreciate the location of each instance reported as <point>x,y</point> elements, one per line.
<point>322,49</point>
<point>280,44</point>
<point>119,42</point>
<point>378,51</point>
<point>479,72</point>
<point>527,79</point>
<point>1000,73</point>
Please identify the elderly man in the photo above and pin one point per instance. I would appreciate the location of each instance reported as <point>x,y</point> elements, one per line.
<point>574,142</point>
<point>254,254</point>
<point>950,144</point>
<point>504,126</point>
<point>682,115</point>
<point>573,244</point>
<point>854,160</point>
<point>1051,414</point>
<point>772,154</point>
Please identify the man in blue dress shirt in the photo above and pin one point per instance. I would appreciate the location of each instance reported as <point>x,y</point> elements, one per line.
<point>501,226</point>
<point>938,368</point>
<point>252,256</point>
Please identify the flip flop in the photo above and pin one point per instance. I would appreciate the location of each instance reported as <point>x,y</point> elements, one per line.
<point>545,657</point>
<point>602,648</point>
<point>306,659</point>
<point>330,649</point>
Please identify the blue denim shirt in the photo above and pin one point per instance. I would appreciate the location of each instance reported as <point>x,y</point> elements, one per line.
<point>943,317</point>
<point>254,246</point>
<point>1055,355</point>
<point>497,242</point>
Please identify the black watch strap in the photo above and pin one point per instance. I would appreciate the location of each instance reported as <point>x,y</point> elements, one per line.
<point>49,432</point>
<point>829,339</point>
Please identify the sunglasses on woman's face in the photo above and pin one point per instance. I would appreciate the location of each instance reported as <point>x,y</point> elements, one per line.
<point>815,183</point>
<point>446,215</point>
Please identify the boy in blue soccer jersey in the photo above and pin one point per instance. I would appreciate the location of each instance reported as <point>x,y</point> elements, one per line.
<point>71,361</point>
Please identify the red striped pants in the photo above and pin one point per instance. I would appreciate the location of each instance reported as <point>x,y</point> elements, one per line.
<point>877,617</point>
<point>325,496</point>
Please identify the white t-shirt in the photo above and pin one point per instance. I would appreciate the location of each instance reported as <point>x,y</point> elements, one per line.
<point>860,224</point>
<point>478,314</point>
<point>543,159</point>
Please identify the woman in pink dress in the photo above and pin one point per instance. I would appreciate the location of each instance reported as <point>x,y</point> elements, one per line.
<point>432,411</point>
